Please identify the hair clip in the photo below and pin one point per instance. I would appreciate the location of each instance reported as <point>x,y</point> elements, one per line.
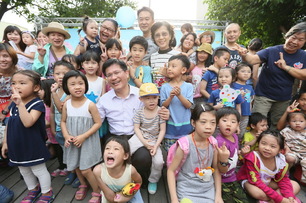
<point>203,107</point>
<point>295,110</point>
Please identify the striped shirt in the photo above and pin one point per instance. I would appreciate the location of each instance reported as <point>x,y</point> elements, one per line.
<point>148,126</point>
<point>158,60</point>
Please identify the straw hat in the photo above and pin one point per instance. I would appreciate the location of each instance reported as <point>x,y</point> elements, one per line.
<point>206,47</point>
<point>56,27</point>
<point>211,33</point>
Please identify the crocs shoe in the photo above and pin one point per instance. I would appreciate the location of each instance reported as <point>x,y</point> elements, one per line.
<point>31,196</point>
<point>46,198</point>
<point>55,173</point>
<point>63,172</point>
<point>76,183</point>
<point>152,188</point>
<point>70,178</point>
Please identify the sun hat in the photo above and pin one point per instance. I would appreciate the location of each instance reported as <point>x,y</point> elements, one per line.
<point>148,89</point>
<point>211,33</point>
<point>56,27</point>
<point>206,47</point>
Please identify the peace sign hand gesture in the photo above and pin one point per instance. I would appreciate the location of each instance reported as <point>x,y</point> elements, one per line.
<point>281,63</point>
<point>40,48</point>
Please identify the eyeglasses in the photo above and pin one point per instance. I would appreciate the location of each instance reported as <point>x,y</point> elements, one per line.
<point>104,28</point>
<point>163,34</point>
<point>115,73</point>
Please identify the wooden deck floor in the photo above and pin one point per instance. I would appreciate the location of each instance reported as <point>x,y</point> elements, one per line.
<point>10,177</point>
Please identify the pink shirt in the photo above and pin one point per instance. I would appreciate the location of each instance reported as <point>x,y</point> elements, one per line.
<point>196,79</point>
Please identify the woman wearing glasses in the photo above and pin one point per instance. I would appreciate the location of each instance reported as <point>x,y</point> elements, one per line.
<point>47,55</point>
<point>163,37</point>
<point>108,29</point>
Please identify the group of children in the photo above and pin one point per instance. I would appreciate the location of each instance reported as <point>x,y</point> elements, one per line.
<point>204,136</point>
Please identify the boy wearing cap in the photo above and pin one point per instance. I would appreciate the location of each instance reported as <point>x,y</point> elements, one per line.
<point>149,131</point>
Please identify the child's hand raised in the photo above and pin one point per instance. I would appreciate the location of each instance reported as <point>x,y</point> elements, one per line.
<point>54,87</point>
<point>219,105</point>
<point>244,150</point>
<point>103,56</point>
<point>16,98</point>
<point>223,153</point>
<point>293,106</point>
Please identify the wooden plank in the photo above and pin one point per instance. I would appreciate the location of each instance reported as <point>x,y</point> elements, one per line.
<point>19,190</point>
<point>66,194</point>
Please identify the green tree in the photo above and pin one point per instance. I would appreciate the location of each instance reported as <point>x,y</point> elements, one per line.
<point>265,19</point>
<point>64,8</point>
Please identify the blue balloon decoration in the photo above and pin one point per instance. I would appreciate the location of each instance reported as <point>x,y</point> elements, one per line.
<point>125,16</point>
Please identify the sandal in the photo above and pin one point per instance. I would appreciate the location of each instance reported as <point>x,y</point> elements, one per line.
<point>81,193</point>
<point>31,196</point>
<point>94,194</point>
<point>46,198</point>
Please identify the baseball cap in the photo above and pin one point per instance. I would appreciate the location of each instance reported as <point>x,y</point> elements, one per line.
<point>148,89</point>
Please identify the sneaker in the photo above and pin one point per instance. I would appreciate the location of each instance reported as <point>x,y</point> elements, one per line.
<point>46,198</point>
<point>76,183</point>
<point>70,178</point>
<point>31,196</point>
<point>63,172</point>
<point>55,173</point>
<point>152,187</point>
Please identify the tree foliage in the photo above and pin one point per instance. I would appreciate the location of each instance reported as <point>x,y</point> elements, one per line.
<point>265,19</point>
<point>64,8</point>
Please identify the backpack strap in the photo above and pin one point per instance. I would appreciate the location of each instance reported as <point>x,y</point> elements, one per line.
<point>213,141</point>
<point>183,143</point>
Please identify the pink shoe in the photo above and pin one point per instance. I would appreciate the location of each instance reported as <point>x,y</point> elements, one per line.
<point>63,172</point>
<point>55,173</point>
<point>94,194</point>
<point>31,196</point>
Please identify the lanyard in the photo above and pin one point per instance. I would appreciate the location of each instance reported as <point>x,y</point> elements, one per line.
<point>205,159</point>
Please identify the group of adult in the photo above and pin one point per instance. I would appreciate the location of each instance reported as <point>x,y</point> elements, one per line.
<point>281,65</point>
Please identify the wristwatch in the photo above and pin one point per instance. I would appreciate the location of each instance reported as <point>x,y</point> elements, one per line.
<point>4,112</point>
<point>224,164</point>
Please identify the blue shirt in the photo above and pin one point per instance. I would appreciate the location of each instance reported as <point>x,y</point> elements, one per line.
<point>143,73</point>
<point>212,81</point>
<point>215,99</point>
<point>275,83</point>
<point>246,104</point>
<point>178,124</point>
